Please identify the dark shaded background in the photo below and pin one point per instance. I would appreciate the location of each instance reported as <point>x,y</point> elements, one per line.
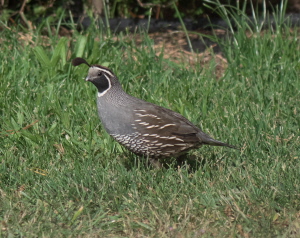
<point>160,9</point>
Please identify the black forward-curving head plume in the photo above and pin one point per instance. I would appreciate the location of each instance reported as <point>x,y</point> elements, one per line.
<point>78,61</point>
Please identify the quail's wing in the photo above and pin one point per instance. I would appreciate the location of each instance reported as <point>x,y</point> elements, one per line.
<point>165,124</point>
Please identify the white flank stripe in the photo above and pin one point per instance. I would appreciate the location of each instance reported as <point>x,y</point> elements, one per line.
<point>181,145</point>
<point>146,115</point>
<point>162,137</point>
<point>166,126</point>
<point>149,127</point>
<point>138,110</point>
<point>166,145</point>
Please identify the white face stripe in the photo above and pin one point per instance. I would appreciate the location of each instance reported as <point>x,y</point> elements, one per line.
<point>104,70</point>
<point>101,94</point>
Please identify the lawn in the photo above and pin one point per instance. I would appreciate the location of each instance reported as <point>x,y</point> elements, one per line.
<point>61,175</point>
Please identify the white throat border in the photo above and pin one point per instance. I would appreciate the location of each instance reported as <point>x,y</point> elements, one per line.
<point>105,91</point>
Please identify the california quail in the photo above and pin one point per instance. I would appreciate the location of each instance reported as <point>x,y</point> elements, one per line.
<point>142,127</point>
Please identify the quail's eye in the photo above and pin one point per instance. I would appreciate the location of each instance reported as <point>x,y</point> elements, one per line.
<point>100,73</point>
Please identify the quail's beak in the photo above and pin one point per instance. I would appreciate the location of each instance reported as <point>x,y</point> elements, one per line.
<point>87,78</point>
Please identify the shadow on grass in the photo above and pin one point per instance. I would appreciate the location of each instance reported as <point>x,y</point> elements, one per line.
<point>191,162</point>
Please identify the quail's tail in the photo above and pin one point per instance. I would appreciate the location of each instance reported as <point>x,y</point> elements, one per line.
<point>207,140</point>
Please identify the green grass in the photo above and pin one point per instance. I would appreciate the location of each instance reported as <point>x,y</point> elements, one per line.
<point>62,175</point>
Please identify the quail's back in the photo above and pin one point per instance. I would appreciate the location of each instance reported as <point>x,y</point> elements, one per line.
<point>142,127</point>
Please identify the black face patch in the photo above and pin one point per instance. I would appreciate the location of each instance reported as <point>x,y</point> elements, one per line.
<point>101,82</point>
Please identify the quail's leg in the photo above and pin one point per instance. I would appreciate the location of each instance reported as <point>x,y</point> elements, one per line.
<point>155,163</point>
